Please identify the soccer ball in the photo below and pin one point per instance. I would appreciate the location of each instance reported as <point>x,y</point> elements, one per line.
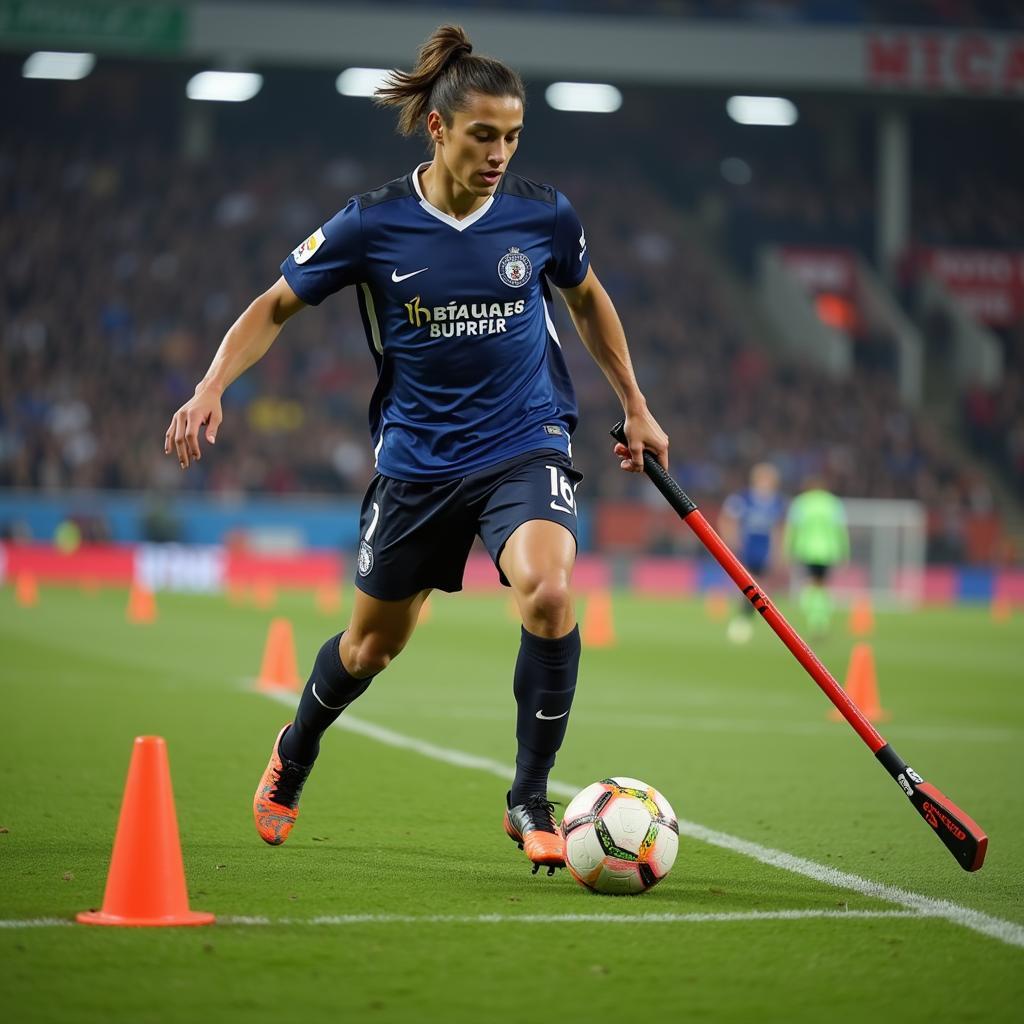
<point>621,836</point>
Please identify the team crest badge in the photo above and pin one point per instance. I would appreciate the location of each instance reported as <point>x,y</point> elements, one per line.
<point>514,268</point>
<point>364,561</point>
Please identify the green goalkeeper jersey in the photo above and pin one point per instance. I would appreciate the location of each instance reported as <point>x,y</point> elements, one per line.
<point>816,529</point>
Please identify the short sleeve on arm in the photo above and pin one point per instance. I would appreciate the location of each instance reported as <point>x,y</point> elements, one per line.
<point>734,506</point>
<point>570,260</point>
<point>329,259</point>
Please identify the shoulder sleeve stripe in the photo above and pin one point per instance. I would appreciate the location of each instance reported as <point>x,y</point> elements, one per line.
<point>523,188</point>
<point>400,188</point>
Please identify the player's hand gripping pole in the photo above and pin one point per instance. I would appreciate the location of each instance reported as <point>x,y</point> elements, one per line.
<point>961,836</point>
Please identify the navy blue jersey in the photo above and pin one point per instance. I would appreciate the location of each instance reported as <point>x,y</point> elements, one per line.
<point>457,317</point>
<point>757,515</point>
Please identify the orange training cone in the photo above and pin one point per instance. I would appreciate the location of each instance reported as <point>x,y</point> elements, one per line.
<point>862,617</point>
<point>426,611</point>
<point>141,605</point>
<point>328,599</point>
<point>264,594</point>
<point>716,604</point>
<point>861,685</point>
<point>146,880</point>
<point>26,592</point>
<point>279,670</point>
<point>1000,609</point>
<point>598,630</point>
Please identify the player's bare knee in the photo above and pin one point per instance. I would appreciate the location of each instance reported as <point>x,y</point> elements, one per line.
<point>547,605</point>
<point>369,654</point>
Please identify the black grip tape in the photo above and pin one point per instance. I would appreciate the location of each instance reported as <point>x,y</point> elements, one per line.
<point>660,477</point>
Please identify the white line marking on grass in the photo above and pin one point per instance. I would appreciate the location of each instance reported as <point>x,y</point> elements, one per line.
<point>1004,931</point>
<point>995,927</point>
<point>38,922</point>
<point>652,918</point>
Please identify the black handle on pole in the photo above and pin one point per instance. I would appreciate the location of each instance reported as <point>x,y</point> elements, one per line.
<point>674,494</point>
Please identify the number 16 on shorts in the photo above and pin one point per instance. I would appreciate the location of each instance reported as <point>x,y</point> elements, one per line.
<point>563,496</point>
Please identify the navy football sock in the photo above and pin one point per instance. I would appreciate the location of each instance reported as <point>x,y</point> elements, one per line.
<point>329,690</point>
<point>545,681</point>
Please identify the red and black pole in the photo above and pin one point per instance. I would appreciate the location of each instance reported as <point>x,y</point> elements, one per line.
<point>961,835</point>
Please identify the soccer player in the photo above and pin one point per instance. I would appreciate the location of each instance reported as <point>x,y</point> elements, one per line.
<point>817,537</point>
<point>471,418</point>
<point>749,523</point>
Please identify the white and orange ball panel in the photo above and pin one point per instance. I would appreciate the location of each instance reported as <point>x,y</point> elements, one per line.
<point>621,836</point>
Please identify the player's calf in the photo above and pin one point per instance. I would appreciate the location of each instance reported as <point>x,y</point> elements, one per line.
<point>328,691</point>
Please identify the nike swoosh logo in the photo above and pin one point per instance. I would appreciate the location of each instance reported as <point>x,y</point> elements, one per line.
<point>551,718</point>
<point>331,707</point>
<point>397,277</point>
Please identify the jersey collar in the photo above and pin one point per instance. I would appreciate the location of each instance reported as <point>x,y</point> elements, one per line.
<point>459,225</point>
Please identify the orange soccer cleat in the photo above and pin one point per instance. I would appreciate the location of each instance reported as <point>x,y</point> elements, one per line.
<point>532,826</point>
<point>276,803</point>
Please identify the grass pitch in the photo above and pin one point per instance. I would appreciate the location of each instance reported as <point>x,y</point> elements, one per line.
<point>399,898</point>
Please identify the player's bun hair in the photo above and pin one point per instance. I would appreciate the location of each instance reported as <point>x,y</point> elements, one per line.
<point>446,73</point>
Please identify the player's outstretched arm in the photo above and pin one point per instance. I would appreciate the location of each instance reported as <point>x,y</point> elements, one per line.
<point>599,326</point>
<point>728,524</point>
<point>246,342</point>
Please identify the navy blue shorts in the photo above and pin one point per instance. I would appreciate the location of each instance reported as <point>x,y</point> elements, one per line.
<point>417,536</point>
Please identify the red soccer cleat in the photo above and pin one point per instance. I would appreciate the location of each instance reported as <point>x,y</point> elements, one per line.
<point>531,825</point>
<point>276,803</point>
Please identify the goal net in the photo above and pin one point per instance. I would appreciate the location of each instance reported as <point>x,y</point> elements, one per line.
<point>887,553</point>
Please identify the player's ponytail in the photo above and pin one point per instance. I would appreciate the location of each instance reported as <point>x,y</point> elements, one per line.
<point>446,73</point>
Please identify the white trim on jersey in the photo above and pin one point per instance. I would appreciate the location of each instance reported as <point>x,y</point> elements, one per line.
<point>371,315</point>
<point>554,335</point>
<point>459,225</point>
<point>377,447</point>
<point>551,323</point>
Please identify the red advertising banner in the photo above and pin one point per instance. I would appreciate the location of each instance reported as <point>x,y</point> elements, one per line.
<point>168,566</point>
<point>185,569</point>
<point>945,62</point>
<point>822,268</point>
<point>988,282</point>
<point>100,564</point>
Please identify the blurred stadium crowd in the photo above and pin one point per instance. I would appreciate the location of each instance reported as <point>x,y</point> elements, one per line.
<point>124,267</point>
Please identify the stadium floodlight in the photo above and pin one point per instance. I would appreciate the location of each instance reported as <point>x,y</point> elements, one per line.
<point>588,97</point>
<point>360,81</point>
<point>68,67</point>
<point>224,86</point>
<point>775,111</point>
